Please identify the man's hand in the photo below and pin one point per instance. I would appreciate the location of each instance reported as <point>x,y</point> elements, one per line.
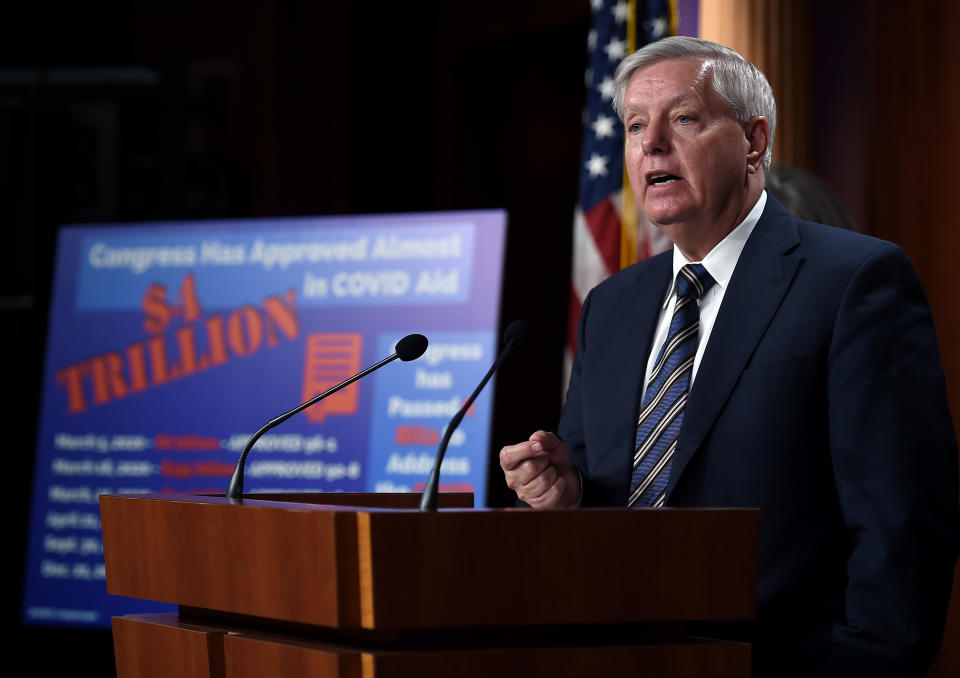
<point>541,472</point>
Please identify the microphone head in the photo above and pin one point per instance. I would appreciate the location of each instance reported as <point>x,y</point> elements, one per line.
<point>411,347</point>
<point>516,333</point>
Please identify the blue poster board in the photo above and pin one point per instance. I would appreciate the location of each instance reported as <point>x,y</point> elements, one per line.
<point>171,343</point>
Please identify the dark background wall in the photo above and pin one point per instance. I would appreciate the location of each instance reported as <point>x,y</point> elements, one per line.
<point>114,111</point>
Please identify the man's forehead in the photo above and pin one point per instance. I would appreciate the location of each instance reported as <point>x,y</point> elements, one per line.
<point>677,80</point>
<point>683,71</point>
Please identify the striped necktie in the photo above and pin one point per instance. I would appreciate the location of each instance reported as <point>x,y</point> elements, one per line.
<point>666,396</point>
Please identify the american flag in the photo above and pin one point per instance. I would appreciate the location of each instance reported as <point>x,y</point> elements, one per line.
<point>606,233</point>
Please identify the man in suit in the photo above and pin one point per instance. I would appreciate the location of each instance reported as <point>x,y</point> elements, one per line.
<point>765,362</point>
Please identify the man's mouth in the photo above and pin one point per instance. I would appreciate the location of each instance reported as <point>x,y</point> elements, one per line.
<point>662,179</point>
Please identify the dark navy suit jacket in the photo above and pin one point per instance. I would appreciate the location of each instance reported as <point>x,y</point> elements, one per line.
<point>819,399</point>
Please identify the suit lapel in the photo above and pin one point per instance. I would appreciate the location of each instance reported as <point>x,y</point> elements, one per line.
<point>640,303</point>
<point>761,278</point>
<point>629,340</point>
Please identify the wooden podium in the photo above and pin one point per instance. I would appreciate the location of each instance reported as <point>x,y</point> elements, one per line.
<point>365,585</point>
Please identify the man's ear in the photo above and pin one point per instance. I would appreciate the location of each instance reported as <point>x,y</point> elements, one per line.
<point>758,136</point>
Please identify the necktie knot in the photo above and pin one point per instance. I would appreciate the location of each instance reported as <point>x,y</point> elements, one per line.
<point>693,281</point>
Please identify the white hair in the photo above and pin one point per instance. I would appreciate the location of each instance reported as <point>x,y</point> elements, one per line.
<point>739,82</point>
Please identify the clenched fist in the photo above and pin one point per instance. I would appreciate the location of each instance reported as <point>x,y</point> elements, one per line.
<point>541,472</point>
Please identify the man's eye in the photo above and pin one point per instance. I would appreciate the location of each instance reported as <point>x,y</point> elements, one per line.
<point>635,127</point>
<point>683,119</point>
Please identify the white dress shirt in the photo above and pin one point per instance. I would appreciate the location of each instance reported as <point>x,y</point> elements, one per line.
<point>719,263</point>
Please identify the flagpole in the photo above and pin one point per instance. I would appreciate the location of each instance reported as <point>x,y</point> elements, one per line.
<point>628,204</point>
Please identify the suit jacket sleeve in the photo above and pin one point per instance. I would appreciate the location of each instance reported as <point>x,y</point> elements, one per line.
<point>895,465</point>
<point>570,429</point>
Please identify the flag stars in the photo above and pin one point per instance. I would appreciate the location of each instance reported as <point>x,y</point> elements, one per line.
<point>597,166</point>
<point>597,5</point>
<point>606,88</point>
<point>592,39</point>
<point>616,49</point>
<point>620,11</point>
<point>603,126</point>
<point>656,27</point>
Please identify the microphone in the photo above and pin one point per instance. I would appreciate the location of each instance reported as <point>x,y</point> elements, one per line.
<point>409,348</point>
<point>513,337</point>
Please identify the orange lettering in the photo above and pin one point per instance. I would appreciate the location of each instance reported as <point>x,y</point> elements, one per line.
<point>72,378</point>
<point>282,316</point>
<point>146,364</point>
<point>172,469</point>
<point>187,344</point>
<point>216,345</point>
<point>154,304</point>
<point>138,368</point>
<point>187,296</point>
<point>245,342</point>
<point>106,373</point>
<point>415,435</point>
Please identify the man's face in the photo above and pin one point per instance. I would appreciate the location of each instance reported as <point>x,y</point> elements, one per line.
<point>686,154</point>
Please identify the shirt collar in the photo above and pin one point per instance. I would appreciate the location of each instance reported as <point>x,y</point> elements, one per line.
<point>722,259</point>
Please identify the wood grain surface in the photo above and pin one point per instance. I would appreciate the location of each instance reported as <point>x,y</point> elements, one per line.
<point>382,569</point>
<point>161,646</point>
<point>475,568</point>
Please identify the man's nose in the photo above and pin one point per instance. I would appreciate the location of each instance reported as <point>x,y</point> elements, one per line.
<point>655,139</point>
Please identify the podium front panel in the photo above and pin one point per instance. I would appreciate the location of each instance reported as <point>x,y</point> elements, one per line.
<point>160,646</point>
<point>520,566</point>
<point>347,567</point>
<point>294,562</point>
